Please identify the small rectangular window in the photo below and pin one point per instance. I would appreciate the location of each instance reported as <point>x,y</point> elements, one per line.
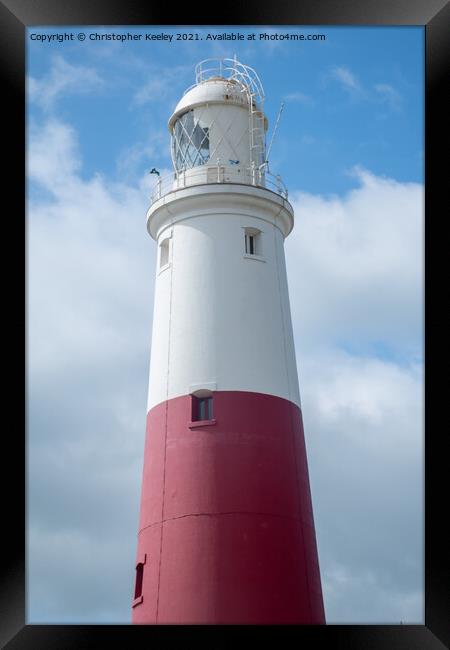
<point>139,580</point>
<point>202,409</point>
<point>252,238</point>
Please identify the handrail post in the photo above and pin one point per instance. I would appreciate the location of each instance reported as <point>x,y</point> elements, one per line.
<point>279,188</point>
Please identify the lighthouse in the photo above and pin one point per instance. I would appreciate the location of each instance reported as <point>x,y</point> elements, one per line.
<point>226,531</point>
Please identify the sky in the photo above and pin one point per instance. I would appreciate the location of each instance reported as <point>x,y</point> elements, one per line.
<point>350,148</point>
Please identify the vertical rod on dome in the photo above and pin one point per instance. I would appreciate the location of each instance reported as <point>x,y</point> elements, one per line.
<point>274,131</point>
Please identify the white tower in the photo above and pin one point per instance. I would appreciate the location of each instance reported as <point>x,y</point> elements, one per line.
<point>226,531</point>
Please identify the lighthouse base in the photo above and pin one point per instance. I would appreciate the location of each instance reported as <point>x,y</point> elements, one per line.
<point>227,531</point>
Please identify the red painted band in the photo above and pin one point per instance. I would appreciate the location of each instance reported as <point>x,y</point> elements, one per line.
<point>237,542</point>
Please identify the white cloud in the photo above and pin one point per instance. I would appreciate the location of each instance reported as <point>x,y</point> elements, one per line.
<point>137,159</point>
<point>355,265</point>
<point>63,79</point>
<point>363,423</point>
<point>88,256</point>
<point>355,272</point>
<point>390,96</point>
<point>54,156</point>
<point>299,97</point>
<point>344,75</point>
<point>372,599</point>
<point>362,389</point>
<point>90,264</point>
<point>162,84</point>
<point>73,558</point>
<point>152,91</point>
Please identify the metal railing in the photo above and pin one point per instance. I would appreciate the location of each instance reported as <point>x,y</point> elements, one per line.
<point>232,70</point>
<point>208,174</point>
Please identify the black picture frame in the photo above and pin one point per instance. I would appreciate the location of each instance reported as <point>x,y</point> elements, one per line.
<point>434,15</point>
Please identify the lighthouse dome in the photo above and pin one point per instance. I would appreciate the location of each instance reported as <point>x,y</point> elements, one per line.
<point>220,121</point>
<point>215,90</point>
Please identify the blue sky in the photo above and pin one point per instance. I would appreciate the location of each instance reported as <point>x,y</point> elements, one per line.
<point>354,98</point>
<point>350,149</point>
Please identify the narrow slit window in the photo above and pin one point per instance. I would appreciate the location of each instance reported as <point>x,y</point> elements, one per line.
<point>139,580</point>
<point>252,238</point>
<point>250,244</point>
<point>164,253</point>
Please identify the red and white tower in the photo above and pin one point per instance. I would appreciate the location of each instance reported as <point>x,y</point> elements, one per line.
<point>226,529</point>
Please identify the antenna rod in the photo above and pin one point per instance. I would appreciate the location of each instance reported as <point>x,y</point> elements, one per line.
<point>274,131</point>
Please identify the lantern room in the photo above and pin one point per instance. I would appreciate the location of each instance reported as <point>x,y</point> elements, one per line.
<point>219,127</point>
